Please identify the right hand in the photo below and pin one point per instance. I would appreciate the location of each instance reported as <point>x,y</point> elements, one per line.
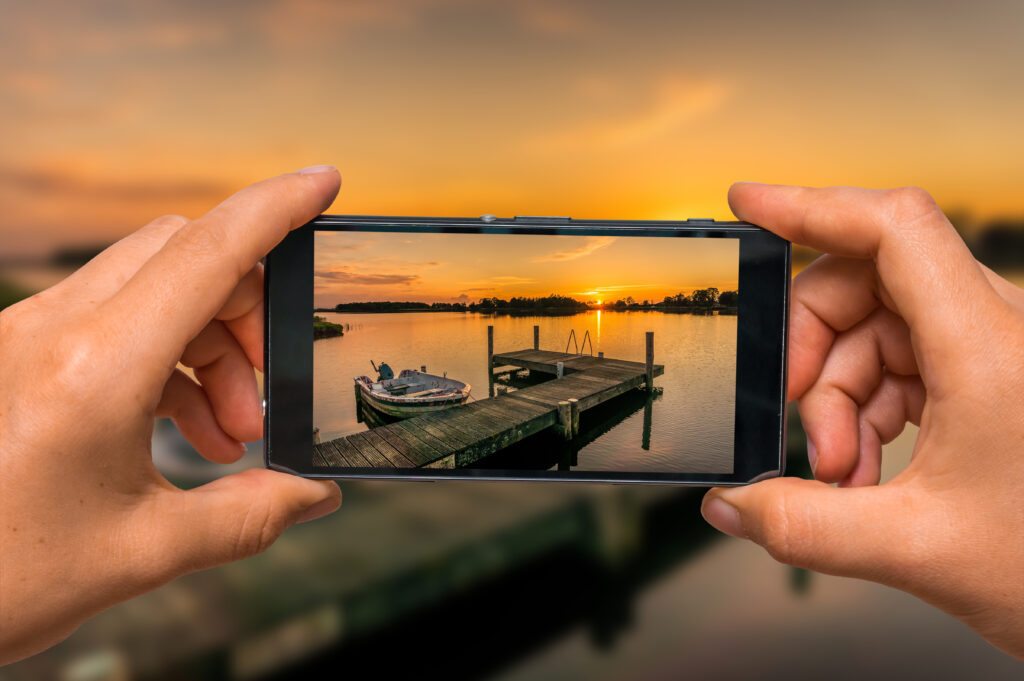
<point>897,323</point>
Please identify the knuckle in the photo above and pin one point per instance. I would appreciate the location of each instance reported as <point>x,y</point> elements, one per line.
<point>73,360</point>
<point>166,225</point>
<point>910,205</point>
<point>263,523</point>
<point>199,239</point>
<point>776,535</point>
<point>261,528</point>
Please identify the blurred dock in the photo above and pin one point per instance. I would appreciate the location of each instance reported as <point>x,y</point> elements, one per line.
<point>462,435</point>
<point>394,550</point>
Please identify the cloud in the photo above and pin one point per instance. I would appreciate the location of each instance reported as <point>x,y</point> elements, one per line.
<point>325,250</point>
<point>295,22</point>
<point>65,184</point>
<point>495,283</point>
<point>552,19</point>
<point>673,105</point>
<point>593,243</point>
<point>510,279</point>
<point>597,290</point>
<point>343,276</point>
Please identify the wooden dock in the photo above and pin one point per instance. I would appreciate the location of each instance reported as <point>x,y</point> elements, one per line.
<point>465,434</point>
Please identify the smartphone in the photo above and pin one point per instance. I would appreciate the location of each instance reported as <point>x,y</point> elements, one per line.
<point>527,348</point>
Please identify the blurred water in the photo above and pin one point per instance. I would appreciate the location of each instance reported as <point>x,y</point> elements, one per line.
<point>692,421</point>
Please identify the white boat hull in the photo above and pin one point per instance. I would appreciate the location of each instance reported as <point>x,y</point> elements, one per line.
<point>412,393</point>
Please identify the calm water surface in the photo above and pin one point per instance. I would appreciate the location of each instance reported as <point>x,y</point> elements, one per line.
<point>691,422</point>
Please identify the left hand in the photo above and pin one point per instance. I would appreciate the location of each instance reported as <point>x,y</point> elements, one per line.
<point>87,520</point>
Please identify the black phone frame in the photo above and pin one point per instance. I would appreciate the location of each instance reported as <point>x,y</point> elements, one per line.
<point>761,351</point>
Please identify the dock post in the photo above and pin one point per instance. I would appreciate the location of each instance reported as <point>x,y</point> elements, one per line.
<point>574,410</point>
<point>650,361</point>
<point>645,437</point>
<point>316,436</point>
<point>600,355</point>
<point>490,361</point>
<point>559,369</point>
<point>423,369</point>
<point>536,337</point>
<point>565,419</point>
<point>359,405</point>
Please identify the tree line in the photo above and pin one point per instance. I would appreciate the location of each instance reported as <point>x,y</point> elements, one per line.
<point>701,298</point>
<point>483,305</point>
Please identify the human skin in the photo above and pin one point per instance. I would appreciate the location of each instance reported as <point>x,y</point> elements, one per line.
<point>897,323</point>
<point>86,520</point>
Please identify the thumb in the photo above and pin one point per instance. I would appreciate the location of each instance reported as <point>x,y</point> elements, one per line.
<point>854,532</point>
<point>238,516</point>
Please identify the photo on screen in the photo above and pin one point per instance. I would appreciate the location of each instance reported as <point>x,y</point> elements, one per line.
<point>524,352</point>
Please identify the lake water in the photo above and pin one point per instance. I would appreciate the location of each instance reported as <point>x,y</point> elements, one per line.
<point>691,421</point>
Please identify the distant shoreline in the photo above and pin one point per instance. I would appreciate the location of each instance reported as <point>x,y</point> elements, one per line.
<point>546,311</point>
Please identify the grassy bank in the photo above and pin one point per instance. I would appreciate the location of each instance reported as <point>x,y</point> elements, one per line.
<point>325,329</point>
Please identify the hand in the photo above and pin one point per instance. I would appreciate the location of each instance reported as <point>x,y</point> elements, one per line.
<point>86,520</point>
<point>898,323</point>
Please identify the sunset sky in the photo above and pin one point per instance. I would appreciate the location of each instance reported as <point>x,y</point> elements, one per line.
<point>361,266</point>
<point>115,112</point>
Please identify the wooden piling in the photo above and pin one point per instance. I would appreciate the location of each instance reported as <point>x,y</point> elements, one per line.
<point>423,369</point>
<point>536,337</point>
<point>316,436</point>
<point>649,373</point>
<point>600,355</point>
<point>565,419</point>
<point>359,404</point>
<point>490,361</point>
<point>645,437</point>
<point>559,369</point>
<point>574,410</point>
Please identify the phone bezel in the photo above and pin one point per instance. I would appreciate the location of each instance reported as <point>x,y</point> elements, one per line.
<point>761,357</point>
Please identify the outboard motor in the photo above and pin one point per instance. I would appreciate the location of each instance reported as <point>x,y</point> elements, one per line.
<point>384,372</point>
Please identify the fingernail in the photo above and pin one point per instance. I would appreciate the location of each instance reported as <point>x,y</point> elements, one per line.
<point>313,170</point>
<point>812,455</point>
<point>319,510</point>
<point>723,517</point>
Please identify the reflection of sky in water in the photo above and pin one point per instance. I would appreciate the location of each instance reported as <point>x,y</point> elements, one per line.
<point>692,421</point>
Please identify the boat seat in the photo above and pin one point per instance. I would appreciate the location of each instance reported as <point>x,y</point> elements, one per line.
<point>425,392</point>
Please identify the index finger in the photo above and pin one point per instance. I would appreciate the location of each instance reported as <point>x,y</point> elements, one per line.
<point>923,264</point>
<point>183,286</point>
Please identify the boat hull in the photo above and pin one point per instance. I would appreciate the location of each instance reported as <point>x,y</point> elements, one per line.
<point>401,406</point>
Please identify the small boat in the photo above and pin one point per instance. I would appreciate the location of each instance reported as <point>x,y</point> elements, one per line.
<point>410,394</point>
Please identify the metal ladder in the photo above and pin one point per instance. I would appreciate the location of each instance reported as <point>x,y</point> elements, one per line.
<point>581,347</point>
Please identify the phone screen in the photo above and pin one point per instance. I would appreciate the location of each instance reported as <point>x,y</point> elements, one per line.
<point>524,353</point>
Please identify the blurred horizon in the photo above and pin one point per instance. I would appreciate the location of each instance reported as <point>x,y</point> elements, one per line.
<point>125,111</point>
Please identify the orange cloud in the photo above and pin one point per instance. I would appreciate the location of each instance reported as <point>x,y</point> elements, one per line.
<point>674,105</point>
<point>593,243</point>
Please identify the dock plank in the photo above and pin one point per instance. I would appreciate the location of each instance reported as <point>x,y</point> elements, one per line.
<point>365,446</point>
<point>384,447</point>
<point>349,453</point>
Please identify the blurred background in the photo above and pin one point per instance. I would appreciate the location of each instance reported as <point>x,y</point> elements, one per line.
<point>116,112</point>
